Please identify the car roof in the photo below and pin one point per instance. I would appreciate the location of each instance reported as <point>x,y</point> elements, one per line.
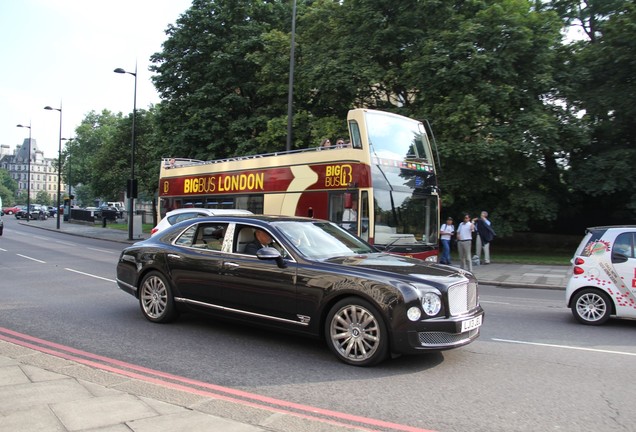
<point>211,212</point>
<point>248,218</point>
<point>611,227</point>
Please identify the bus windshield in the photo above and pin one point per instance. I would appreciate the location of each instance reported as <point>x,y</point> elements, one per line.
<point>405,186</point>
<point>398,138</point>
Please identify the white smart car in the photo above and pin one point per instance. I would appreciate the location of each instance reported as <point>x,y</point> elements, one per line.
<point>603,279</point>
<point>178,215</point>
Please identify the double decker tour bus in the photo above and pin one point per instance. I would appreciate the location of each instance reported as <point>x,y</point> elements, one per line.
<point>381,185</point>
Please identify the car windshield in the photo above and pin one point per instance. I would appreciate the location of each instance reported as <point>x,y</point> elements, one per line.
<point>321,240</point>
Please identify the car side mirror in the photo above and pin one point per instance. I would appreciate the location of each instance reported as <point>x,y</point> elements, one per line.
<point>270,253</point>
<point>618,258</point>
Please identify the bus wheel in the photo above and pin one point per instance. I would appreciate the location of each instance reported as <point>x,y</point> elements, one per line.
<point>356,333</point>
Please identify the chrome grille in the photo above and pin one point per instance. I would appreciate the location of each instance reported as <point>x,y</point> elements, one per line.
<point>462,297</point>
<point>442,338</point>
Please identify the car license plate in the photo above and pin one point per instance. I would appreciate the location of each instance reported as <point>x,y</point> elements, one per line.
<point>471,324</point>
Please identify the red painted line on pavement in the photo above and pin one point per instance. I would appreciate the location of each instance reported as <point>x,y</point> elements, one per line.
<point>311,411</point>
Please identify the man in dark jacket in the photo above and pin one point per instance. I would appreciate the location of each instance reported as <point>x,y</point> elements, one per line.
<point>261,240</point>
<point>485,235</point>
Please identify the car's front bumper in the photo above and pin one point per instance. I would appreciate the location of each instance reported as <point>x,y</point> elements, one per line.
<point>438,334</point>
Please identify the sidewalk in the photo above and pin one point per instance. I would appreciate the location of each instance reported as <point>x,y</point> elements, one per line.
<point>44,392</point>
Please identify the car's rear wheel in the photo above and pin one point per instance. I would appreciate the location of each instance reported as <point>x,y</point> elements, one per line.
<point>155,298</point>
<point>591,306</point>
<point>356,333</point>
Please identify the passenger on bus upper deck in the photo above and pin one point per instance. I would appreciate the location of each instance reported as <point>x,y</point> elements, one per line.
<point>325,144</point>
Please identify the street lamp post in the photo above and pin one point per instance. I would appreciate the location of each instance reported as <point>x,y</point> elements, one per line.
<point>59,162</point>
<point>132,183</point>
<point>69,140</point>
<point>290,91</point>
<point>28,209</point>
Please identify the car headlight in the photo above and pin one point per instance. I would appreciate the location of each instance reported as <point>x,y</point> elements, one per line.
<point>431,303</point>
<point>414,313</point>
<point>432,258</point>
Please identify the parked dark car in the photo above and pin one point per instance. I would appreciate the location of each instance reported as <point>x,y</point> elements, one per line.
<point>109,212</point>
<point>1,223</point>
<point>36,212</point>
<point>313,278</point>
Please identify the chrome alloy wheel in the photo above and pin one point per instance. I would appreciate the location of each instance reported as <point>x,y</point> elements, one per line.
<point>591,307</point>
<point>154,297</point>
<point>355,333</point>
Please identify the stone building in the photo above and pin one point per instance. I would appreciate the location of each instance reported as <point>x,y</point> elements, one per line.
<point>43,170</point>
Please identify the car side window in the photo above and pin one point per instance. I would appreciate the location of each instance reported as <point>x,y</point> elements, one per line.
<point>624,244</point>
<point>246,241</point>
<point>212,235</point>
<point>181,217</point>
<point>187,237</point>
<point>203,236</point>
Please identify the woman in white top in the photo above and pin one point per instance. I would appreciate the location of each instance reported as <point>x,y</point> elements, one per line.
<point>464,242</point>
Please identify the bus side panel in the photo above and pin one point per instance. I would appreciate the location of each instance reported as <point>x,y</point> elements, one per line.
<point>313,204</point>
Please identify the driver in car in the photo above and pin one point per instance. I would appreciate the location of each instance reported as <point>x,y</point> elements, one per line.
<point>261,240</point>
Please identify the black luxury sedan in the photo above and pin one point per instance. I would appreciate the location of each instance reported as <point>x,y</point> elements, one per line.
<point>303,275</point>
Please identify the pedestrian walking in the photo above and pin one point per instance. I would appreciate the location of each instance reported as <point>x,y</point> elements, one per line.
<point>465,232</point>
<point>485,235</point>
<point>446,233</point>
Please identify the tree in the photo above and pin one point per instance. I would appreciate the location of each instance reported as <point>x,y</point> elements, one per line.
<point>600,84</point>
<point>8,188</point>
<point>206,76</point>
<point>43,198</point>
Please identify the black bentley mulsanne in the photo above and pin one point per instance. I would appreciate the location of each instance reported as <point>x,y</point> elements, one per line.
<point>304,275</point>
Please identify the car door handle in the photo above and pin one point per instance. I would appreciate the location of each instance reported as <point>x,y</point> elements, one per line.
<point>231,265</point>
<point>174,256</point>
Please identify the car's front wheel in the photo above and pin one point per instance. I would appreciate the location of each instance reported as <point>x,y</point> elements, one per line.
<point>155,298</point>
<point>591,306</point>
<point>356,333</point>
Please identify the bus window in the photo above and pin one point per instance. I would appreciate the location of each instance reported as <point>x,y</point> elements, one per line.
<point>354,131</point>
<point>364,216</point>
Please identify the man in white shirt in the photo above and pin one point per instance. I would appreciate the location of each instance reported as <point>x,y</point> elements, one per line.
<point>464,242</point>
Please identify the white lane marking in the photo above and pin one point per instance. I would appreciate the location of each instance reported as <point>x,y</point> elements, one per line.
<point>65,243</point>
<point>100,250</point>
<point>91,275</point>
<point>3,250</point>
<point>565,347</point>
<point>32,259</point>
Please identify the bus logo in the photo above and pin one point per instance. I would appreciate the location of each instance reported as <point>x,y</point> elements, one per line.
<point>338,175</point>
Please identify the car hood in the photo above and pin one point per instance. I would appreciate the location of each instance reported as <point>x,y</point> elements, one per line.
<point>404,266</point>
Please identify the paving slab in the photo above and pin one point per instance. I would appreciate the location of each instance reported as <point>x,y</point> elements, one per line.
<point>24,396</point>
<point>95,412</point>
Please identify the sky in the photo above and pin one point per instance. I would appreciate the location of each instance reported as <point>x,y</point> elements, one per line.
<point>62,53</point>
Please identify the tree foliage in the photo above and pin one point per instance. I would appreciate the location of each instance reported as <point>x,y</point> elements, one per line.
<point>8,188</point>
<point>536,129</point>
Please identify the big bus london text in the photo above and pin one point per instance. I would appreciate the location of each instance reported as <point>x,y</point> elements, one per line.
<point>382,185</point>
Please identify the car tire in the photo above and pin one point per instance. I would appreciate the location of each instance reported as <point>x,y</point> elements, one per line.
<point>591,306</point>
<point>155,298</point>
<point>356,333</point>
